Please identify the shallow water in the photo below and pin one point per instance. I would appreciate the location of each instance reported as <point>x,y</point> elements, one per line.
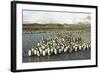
<point>30,40</point>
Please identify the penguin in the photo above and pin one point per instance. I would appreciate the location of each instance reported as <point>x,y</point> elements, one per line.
<point>76,48</point>
<point>35,52</point>
<point>70,50</point>
<point>55,51</point>
<point>43,53</point>
<point>29,53</point>
<point>48,51</point>
<point>66,49</point>
<point>80,47</point>
<point>84,46</point>
<point>38,54</point>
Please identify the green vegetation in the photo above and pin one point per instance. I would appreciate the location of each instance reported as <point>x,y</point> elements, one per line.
<point>51,26</point>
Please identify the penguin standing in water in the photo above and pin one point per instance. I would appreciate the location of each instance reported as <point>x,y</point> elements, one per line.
<point>55,51</point>
<point>84,46</point>
<point>32,51</point>
<point>60,50</point>
<point>48,51</point>
<point>58,44</point>
<point>76,48</point>
<point>66,49</point>
<point>80,47</point>
<point>88,46</point>
<point>38,54</point>
<point>51,50</point>
<point>35,52</point>
<point>40,50</point>
<point>43,53</point>
<point>70,49</point>
<point>29,53</point>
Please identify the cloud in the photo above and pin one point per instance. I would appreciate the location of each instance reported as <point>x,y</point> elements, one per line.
<point>52,17</point>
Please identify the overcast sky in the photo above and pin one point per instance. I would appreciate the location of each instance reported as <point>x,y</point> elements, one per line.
<point>53,17</point>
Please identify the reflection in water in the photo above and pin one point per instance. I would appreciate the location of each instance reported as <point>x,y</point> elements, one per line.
<point>80,55</point>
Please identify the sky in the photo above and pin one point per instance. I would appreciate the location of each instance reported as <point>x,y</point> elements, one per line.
<point>44,17</point>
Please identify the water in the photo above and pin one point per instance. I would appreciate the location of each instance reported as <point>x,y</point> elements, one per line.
<point>30,40</point>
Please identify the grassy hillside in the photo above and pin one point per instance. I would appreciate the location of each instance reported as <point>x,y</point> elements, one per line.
<point>51,26</point>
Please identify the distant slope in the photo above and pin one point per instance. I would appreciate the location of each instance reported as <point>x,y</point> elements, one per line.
<point>36,26</point>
